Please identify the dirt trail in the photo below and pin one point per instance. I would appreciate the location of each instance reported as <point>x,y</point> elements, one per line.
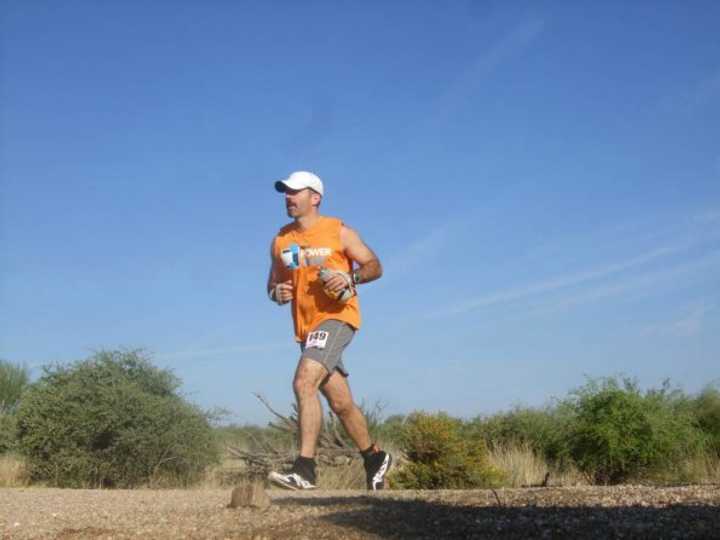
<point>579,512</point>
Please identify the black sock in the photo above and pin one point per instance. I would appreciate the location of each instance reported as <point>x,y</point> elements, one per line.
<point>372,449</point>
<point>306,467</point>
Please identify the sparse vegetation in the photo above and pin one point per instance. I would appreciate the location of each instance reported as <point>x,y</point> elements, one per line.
<point>544,430</point>
<point>113,420</point>
<point>619,433</point>
<point>706,409</point>
<point>438,456</point>
<point>522,466</point>
<point>116,420</point>
<point>13,381</point>
<point>12,471</point>
<point>613,432</point>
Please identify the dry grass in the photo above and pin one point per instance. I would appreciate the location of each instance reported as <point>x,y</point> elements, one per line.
<point>710,467</point>
<point>699,469</point>
<point>522,468</point>
<point>228,472</point>
<point>348,476</point>
<point>12,471</point>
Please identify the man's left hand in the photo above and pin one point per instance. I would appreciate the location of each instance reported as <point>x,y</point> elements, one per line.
<point>339,281</point>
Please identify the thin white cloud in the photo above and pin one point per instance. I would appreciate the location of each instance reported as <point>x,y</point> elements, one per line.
<point>415,254</point>
<point>651,281</point>
<point>512,43</point>
<point>560,282</point>
<point>460,88</point>
<point>690,323</point>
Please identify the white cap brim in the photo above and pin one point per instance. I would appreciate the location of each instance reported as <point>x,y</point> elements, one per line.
<point>300,180</point>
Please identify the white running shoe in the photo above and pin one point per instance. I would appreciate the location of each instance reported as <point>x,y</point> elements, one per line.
<point>291,480</point>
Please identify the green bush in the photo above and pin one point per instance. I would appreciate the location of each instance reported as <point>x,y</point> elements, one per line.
<point>13,380</point>
<point>620,434</point>
<point>706,409</point>
<point>439,457</point>
<point>544,430</point>
<point>112,420</point>
<point>388,431</point>
<point>7,432</point>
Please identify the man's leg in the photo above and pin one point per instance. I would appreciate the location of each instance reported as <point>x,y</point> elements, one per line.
<point>337,392</point>
<point>308,377</point>
<point>377,463</point>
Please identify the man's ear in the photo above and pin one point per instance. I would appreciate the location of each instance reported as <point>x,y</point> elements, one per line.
<point>317,198</point>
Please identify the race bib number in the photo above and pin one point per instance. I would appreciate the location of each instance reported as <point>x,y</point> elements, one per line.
<point>317,339</point>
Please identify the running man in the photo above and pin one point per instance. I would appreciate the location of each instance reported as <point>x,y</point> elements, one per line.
<point>324,326</point>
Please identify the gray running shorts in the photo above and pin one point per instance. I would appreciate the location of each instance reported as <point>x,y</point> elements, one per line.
<point>326,343</point>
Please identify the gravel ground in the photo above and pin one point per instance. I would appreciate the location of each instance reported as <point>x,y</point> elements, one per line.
<point>577,512</point>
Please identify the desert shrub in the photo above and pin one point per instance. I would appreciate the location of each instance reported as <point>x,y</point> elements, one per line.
<point>13,380</point>
<point>544,430</point>
<point>389,431</point>
<point>618,433</point>
<point>706,410</point>
<point>438,456</point>
<point>113,420</point>
<point>7,432</point>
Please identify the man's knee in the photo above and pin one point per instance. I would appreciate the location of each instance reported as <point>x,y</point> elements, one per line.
<point>342,406</point>
<point>303,387</point>
<point>308,377</point>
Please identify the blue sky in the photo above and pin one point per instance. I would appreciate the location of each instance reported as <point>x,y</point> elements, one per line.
<point>540,180</point>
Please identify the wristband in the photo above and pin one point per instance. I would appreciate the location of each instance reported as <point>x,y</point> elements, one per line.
<point>356,277</point>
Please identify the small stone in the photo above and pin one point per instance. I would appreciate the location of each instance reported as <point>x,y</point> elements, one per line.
<point>250,494</point>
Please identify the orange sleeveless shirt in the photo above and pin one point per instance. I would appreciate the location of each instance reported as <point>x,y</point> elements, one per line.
<point>298,256</point>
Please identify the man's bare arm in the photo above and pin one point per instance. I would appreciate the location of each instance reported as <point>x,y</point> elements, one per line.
<point>370,268</point>
<point>272,277</point>
<point>280,292</point>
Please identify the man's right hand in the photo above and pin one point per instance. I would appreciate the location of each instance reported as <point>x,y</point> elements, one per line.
<point>282,293</point>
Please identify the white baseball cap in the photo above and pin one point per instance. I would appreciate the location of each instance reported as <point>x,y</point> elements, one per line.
<point>300,180</point>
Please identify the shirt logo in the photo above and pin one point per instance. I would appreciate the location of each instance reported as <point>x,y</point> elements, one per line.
<point>294,256</point>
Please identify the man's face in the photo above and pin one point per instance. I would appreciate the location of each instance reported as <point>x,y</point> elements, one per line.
<point>300,202</point>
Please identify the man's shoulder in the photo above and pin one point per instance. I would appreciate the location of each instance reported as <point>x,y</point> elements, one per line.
<point>285,229</point>
<point>333,221</point>
<point>327,222</point>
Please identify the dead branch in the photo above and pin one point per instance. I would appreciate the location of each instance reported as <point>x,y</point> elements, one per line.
<point>333,448</point>
<point>291,423</point>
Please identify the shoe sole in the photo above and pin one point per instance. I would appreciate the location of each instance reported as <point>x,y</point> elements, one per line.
<point>277,479</point>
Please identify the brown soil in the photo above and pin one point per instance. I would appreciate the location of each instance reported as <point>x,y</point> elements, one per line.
<point>577,512</point>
